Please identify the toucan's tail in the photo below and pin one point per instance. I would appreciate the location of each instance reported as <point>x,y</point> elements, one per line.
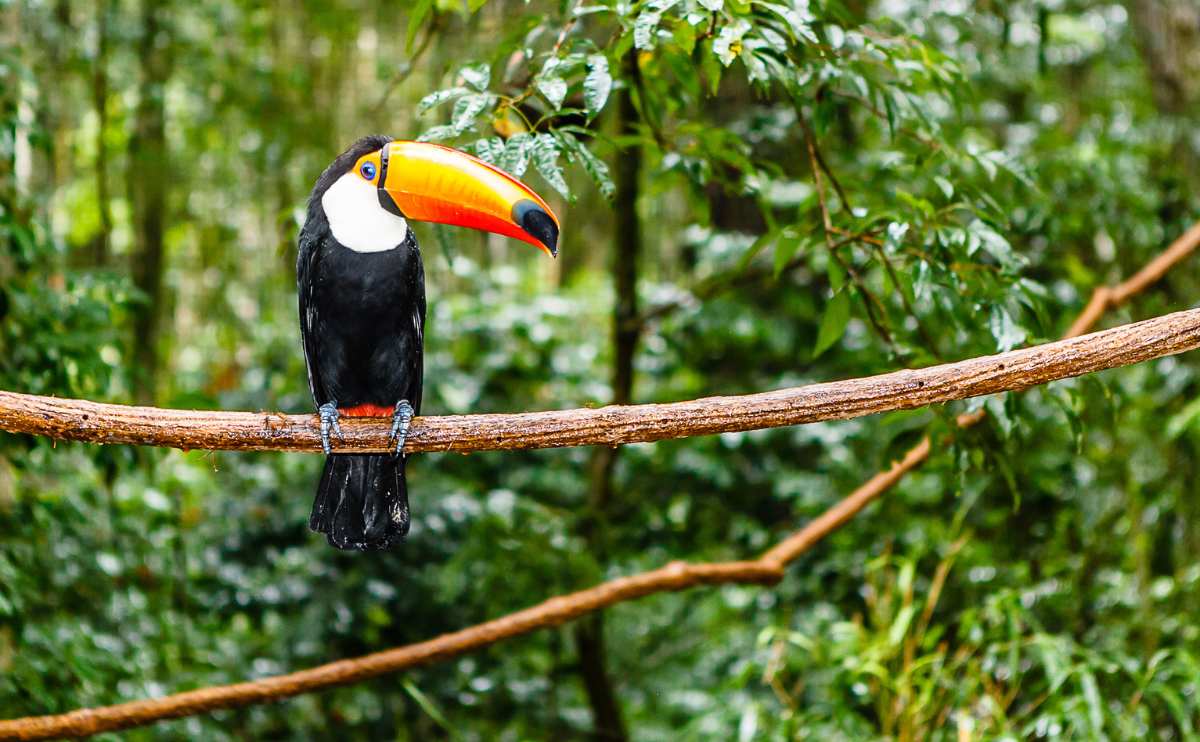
<point>362,501</point>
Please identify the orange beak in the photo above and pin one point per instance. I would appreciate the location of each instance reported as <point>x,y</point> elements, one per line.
<point>431,183</point>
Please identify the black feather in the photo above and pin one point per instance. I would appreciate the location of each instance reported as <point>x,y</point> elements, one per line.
<point>362,502</point>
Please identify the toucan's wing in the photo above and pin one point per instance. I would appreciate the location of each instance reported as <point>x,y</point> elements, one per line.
<point>417,371</point>
<point>306,270</point>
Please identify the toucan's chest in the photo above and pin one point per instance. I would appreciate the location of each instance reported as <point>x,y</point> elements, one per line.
<point>351,288</point>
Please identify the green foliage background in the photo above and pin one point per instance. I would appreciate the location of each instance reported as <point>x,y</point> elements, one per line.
<point>824,190</point>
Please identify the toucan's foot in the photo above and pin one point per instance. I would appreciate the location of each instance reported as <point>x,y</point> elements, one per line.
<point>401,419</point>
<point>329,422</point>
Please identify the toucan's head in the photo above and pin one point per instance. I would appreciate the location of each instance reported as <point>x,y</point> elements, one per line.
<point>375,187</point>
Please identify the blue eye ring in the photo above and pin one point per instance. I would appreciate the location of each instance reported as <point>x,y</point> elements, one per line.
<point>368,170</point>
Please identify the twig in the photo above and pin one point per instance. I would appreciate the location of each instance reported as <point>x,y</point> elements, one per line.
<point>827,223</point>
<point>815,151</point>
<point>409,66</point>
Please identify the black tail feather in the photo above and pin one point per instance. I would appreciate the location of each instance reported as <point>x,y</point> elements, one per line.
<point>362,501</point>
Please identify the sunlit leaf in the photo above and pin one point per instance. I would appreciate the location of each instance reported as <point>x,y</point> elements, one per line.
<point>545,151</point>
<point>833,322</point>
<point>597,84</point>
<point>1004,329</point>
<point>477,76</point>
<point>553,88</point>
<point>646,24</point>
<point>467,110</point>
<point>439,97</point>
<point>517,153</point>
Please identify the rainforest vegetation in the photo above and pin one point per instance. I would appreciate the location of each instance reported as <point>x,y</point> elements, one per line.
<point>754,195</point>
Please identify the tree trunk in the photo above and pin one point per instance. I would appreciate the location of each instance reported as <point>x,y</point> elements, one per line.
<point>101,247</point>
<point>1168,32</point>
<point>627,245</point>
<point>146,179</point>
<point>1168,35</point>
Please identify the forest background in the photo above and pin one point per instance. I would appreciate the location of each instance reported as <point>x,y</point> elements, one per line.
<point>754,195</point>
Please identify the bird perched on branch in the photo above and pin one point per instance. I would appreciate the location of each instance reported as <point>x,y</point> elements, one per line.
<point>362,307</point>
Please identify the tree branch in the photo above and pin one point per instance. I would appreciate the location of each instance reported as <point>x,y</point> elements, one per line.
<point>81,420</point>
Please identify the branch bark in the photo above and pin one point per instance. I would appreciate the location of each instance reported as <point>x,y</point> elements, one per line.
<point>81,420</point>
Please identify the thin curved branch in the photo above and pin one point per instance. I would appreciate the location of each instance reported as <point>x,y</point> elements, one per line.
<point>675,576</point>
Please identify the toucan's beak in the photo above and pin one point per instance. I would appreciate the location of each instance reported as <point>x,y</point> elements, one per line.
<point>431,183</point>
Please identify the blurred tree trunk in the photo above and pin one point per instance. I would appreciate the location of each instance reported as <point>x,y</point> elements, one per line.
<point>102,244</point>
<point>51,99</point>
<point>147,177</point>
<point>627,245</point>
<point>1168,34</point>
<point>10,34</point>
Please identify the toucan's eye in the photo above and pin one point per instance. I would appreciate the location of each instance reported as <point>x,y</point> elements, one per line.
<point>368,170</point>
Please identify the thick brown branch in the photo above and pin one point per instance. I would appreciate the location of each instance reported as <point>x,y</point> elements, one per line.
<point>81,420</point>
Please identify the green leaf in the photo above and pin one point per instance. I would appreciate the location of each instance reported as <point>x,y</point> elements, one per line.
<point>545,161</point>
<point>437,134</point>
<point>1091,695</point>
<point>597,84</point>
<point>900,626</point>
<point>516,156</point>
<point>646,24</point>
<point>894,237</point>
<point>1005,330</point>
<point>981,234</point>
<point>427,705</point>
<point>1183,420</point>
<point>477,76</point>
<point>946,186</point>
<point>799,20</point>
<point>835,273</point>
<point>833,323</point>
<point>712,68</point>
<point>438,97</point>
<point>490,150</point>
<point>685,37</point>
<point>596,168</point>
<point>553,89</point>
<point>785,249</point>
<point>420,10</point>
<point>997,407</point>
<point>756,69</point>
<point>1175,705</point>
<point>468,108</point>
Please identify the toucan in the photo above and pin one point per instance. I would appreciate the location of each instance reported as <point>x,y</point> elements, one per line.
<point>361,288</point>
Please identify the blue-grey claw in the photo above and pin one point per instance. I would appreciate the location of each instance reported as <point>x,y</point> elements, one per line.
<point>401,419</point>
<point>329,421</point>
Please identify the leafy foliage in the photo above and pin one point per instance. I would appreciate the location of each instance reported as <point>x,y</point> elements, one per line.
<point>826,190</point>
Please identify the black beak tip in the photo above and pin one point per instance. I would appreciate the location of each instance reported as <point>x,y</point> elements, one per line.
<point>537,224</point>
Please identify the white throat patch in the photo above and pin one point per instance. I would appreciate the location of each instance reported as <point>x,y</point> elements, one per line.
<point>356,218</point>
